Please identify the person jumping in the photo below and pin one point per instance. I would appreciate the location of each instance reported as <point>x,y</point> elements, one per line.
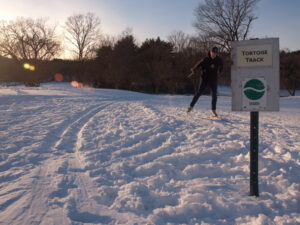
<point>211,66</point>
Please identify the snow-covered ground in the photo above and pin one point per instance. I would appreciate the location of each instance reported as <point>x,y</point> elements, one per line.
<point>92,156</point>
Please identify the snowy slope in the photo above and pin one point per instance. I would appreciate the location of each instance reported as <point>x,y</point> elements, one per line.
<point>90,156</point>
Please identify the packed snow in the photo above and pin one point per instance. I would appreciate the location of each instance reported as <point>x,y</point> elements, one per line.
<point>100,156</point>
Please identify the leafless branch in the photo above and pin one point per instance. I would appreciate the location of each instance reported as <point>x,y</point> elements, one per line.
<point>83,34</point>
<point>28,39</point>
<point>225,20</point>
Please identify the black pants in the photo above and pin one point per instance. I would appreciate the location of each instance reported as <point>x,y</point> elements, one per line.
<point>213,86</point>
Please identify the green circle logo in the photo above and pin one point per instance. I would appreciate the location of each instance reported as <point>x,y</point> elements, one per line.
<point>254,89</point>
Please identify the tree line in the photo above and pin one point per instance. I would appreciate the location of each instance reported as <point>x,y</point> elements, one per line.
<point>152,67</point>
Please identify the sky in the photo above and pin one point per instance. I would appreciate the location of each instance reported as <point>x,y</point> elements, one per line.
<point>153,18</point>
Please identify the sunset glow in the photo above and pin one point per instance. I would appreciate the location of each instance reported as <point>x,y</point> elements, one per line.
<point>76,84</point>
<point>58,77</point>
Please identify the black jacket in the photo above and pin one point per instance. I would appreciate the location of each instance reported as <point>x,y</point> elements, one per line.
<point>210,68</point>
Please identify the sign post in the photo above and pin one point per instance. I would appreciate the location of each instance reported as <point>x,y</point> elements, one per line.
<point>254,116</point>
<point>255,88</point>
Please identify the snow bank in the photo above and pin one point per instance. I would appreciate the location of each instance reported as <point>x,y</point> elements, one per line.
<point>88,156</point>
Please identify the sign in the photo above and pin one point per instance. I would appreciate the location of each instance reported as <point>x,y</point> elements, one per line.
<point>254,94</point>
<point>255,74</point>
<point>255,87</point>
<point>254,56</point>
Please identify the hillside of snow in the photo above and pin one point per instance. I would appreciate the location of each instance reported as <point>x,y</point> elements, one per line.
<point>99,156</point>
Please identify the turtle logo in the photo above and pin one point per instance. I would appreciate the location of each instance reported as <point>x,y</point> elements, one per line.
<point>254,89</point>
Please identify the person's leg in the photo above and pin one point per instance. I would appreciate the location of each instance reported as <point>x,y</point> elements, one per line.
<point>201,88</point>
<point>213,86</point>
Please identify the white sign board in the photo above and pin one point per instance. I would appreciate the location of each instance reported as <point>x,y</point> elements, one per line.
<point>255,75</point>
<point>254,56</point>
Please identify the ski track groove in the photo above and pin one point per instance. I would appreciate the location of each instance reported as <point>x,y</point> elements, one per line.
<point>62,185</point>
<point>75,184</point>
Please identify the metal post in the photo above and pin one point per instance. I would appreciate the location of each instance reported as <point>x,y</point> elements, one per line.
<point>254,121</point>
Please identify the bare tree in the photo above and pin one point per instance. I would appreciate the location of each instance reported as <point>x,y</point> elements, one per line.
<point>107,40</point>
<point>290,70</point>
<point>84,34</point>
<point>179,40</point>
<point>28,39</point>
<point>225,20</point>
<point>200,44</point>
